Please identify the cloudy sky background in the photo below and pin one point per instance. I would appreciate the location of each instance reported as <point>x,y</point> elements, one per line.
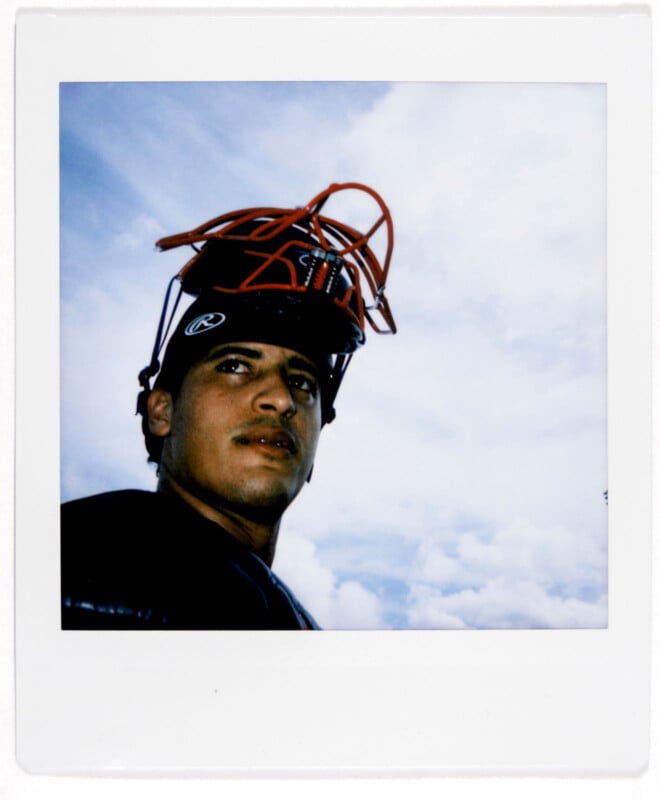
<point>461,485</point>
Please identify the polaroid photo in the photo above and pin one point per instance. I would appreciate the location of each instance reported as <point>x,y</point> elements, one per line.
<point>457,205</point>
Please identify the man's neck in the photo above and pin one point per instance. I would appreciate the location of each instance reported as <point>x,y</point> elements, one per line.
<point>259,537</point>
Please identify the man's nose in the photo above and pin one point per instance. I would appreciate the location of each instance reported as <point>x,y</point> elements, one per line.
<point>275,394</point>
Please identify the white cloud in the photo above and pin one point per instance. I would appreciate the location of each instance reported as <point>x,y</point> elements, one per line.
<point>502,604</point>
<point>346,605</point>
<point>518,552</point>
<point>140,235</point>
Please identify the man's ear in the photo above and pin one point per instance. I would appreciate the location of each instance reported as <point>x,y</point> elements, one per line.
<point>159,412</point>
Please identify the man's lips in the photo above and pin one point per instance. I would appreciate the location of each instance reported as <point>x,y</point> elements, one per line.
<point>267,436</point>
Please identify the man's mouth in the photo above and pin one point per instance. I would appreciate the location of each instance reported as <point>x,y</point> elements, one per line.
<point>276,438</point>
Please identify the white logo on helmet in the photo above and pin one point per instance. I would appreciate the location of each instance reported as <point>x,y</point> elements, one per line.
<point>204,323</point>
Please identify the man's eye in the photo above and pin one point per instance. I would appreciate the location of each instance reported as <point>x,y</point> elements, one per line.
<point>303,383</point>
<point>232,365</point>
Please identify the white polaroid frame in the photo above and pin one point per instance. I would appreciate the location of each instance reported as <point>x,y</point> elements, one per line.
<point>351,703</point>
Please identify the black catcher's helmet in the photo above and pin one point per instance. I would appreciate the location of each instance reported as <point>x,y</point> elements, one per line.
<point>291,277</point>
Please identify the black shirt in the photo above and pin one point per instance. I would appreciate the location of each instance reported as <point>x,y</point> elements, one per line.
<point>144,560</point>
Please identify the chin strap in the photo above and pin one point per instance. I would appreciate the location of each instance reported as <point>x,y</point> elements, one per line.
<point>339,369</point>
<point>161,336</point>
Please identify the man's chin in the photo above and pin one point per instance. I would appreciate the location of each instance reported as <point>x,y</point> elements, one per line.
<point>263,501</point>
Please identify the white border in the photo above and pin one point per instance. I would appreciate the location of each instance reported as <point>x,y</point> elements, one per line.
<point>449,702</point>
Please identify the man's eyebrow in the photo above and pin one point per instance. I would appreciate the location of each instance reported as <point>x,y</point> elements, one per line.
<point>234,350</point>
<point>298,362</point>
<point>295,362</point>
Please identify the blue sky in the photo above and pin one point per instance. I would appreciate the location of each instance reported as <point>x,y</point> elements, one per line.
<point>461,484</point>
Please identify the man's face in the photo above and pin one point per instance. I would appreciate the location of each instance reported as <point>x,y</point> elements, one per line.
<point>243,429</point>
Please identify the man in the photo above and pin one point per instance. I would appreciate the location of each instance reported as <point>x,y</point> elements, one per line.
<point>248,378</point>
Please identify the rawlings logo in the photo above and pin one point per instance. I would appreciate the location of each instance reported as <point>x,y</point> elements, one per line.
<point>204,323</point>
